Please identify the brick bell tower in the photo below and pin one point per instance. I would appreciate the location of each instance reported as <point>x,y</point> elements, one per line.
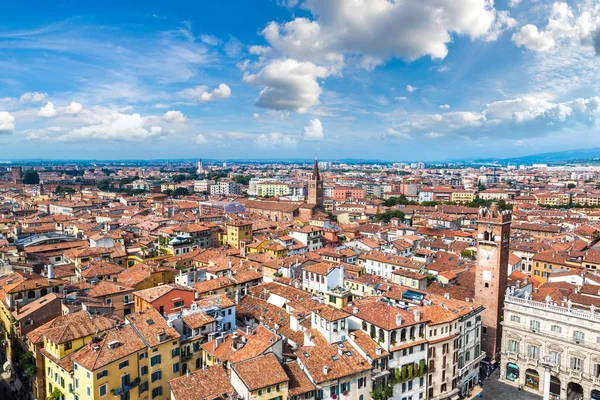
<point>315,188</point>
<point>493,239</point>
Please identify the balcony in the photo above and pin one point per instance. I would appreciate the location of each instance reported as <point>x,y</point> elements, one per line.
<point>125,388</point>
<point>186,357</point>
<point>576,374</point>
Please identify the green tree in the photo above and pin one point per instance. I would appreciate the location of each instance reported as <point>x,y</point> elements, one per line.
<point>55,395</point>
<point>389,214</point>
<point>104,184</point>
<point>571,186</point>
<point>180,192</point>
<point>31,177</point>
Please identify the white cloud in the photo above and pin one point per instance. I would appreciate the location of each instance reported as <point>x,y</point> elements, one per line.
<point>288,85</point>
<point>200,93</point>
<point>210,40</point>
<point>526,116</point>
<point>72,109</point>
<point>7,122</point>
<point>275,139</point>
<point>410,88</point>
<point>382,29</point>
<point>445,106</point>
<point>201,139</point>
<point>313,131</point>
<point>443,68</point>
<point>563,27</point>
<point>174,116</point>
<point>48,111</point>
<point>513,3</point>
<point>530,37</point>
<point>256,115</point>
<point>33,97</point>
<point>434,135</point>
<point>117,126</point>
<point>402,98</point>
<point>233,48</point>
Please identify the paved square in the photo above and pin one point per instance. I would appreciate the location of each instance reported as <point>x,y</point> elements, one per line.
<point>493,388</point>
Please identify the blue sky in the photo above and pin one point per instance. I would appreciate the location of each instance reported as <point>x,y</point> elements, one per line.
<point>379,79</point>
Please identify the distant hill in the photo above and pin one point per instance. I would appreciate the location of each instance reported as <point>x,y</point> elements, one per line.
<point>559,157</point>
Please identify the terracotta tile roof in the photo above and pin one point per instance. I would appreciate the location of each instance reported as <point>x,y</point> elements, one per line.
<point>381,313</point>
<point>151,294</point>
<point>256,343</point>
<point>213,284</point>
<point>125,341</point>
<point>252,372</point>
<point>205,384</point>
<point>73,326</point>
<point>299,383</point>
<point>198,320</point>
<point>369,346</point>
<point>215,300</point>
<point>96,269</point>
<point>152,327</point>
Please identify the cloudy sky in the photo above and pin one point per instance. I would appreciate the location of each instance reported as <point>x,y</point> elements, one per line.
<point>380,79</point>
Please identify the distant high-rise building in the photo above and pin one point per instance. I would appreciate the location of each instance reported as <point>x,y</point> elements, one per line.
<point>315,188</point>
<point>200,167</point>
<point>493,240</point>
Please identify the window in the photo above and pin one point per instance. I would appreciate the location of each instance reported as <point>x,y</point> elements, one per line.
<point>533,351</point>
<point>156,376</point>
<point>103,390</point>
<point>124,364</point>
<point>143,355</point>
<point>89,391</point>
<point>157,392</point>
<point>515,318</point>
<point>68,346</point>
<point>155,360</point>
<point>176,367</point>
<point>175,352</point>
<point>555,357</point>
<point>534,325</point>
<point>143,387</point>
<point>144,370</point>
<point>513,345</point>
<point>102,374</point>
<point>556,328</point>
<point>576,363</point>
<point>76,383</point>
<point>578,337</point>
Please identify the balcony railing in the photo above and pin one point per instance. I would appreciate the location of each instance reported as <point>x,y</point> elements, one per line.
<point>125,388</point>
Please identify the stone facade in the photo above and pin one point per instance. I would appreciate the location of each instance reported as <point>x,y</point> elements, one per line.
<point>550,347</point>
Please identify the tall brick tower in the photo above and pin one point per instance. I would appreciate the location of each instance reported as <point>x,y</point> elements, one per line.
<point>315,188</point>
<point>493,239</point>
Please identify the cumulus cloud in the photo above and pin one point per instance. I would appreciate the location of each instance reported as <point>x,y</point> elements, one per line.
<point>256,115</point>
<point>445,106</point>
<point>434,135</point>
<point>402,98</point>
<point>117,126</point>
<point>383,28</point>
<point>33,97</point>
<point>72,109</point>
<point>313,131</point>
<point>523,116</point>
<point>48,111</point>
<point>202,95</point>
<point>174,116</point>
<point>563,26</point>
<point>7,122</point>
<point>201,139</point>
<point>288,85</point>
<point>410,88</point>
<point>275,139</point>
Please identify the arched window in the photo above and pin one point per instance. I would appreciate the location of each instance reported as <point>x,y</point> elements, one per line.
<point>364,326</point>
<point>393,337</point>
<point>381,335</point>
<point>403,335</point>
<point>486,235</point>
<point>487,285</point>
<point>412,332</point>
<point>372,331</point>
<point>198,363</point>
<point>421,330</point>
<point>31,294</point>
<point>43,292</point>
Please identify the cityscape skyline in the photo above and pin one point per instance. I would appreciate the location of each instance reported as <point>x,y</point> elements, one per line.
<point>298,79</point>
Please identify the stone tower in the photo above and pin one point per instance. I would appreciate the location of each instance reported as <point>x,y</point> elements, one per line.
<point>493,239</point>
<point>315,188</point>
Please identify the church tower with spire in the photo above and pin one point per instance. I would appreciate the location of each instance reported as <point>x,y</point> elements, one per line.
<point>315,188</point>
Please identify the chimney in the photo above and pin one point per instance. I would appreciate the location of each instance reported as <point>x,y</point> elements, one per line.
<point>398,319</point>
<point>417,315</point>
<point>340,351</point>
<point>353,336</point>
<point>325,369</point>
<point>378,350</point>
<point>355,310</point>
